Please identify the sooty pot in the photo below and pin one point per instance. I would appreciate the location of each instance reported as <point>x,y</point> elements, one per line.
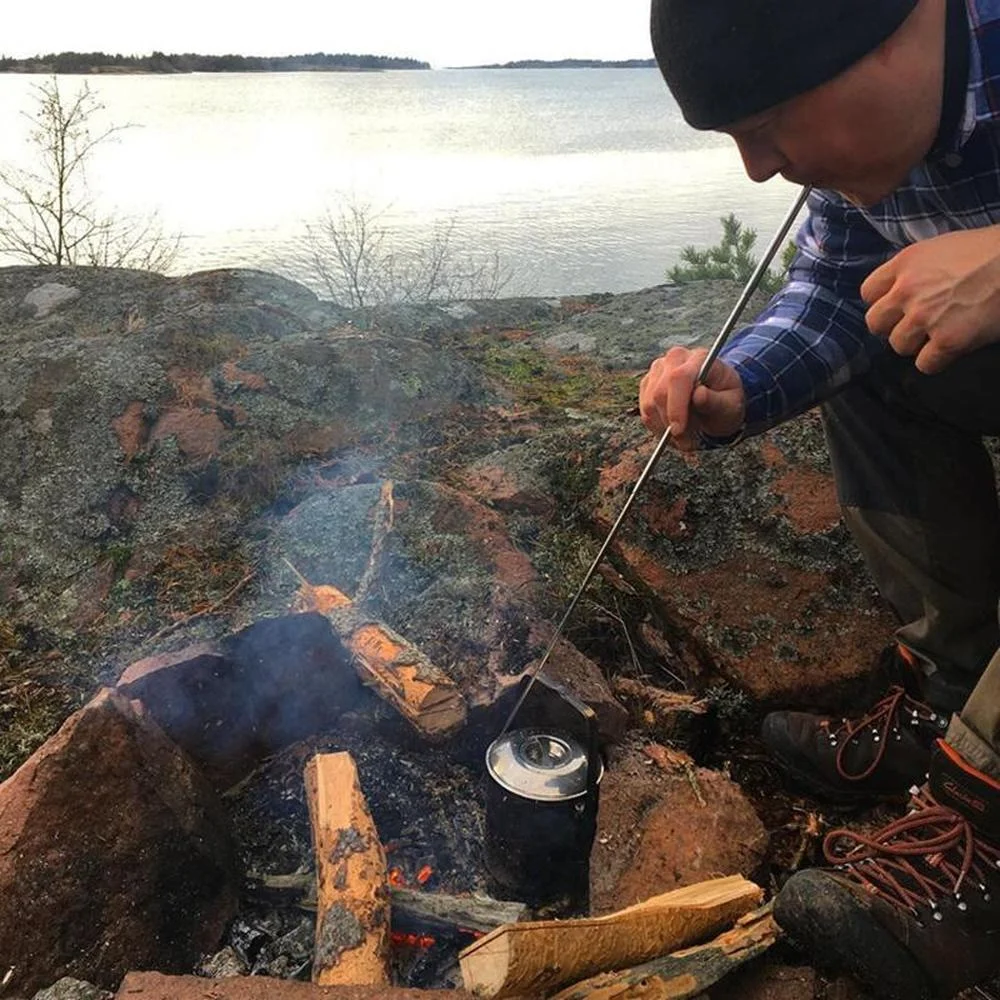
<point>541,815</point>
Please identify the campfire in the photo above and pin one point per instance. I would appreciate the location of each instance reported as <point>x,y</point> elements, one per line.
<point>379,834</point>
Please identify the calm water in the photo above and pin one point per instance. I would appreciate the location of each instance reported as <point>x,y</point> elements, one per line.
<point>583,180</point>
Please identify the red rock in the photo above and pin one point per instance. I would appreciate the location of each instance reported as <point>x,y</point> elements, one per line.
<point>235,375</point>
<point>746,568</point>
<point>230,704</point>
<point>89,593</point>
<point>582,677</point>
<point>809,500</point>
<point>152,986</point>
<point>622,474</point>
<point>487,535</point>
<point>114,854</point>
<point>797,641</point>
<point>507,487</point>
<point>199,435</point>
<point>659,830</point>
<point>193,388</point>
<point>131,430</point>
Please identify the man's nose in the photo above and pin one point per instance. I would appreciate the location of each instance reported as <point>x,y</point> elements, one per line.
<point>761,158</point>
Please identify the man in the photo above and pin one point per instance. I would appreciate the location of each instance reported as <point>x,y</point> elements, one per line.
<point>890,321</point>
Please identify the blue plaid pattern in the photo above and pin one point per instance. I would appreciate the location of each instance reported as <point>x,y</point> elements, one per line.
<point>811,340</point>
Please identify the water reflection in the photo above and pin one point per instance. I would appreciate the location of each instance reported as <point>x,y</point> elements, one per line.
<point>588,180</point>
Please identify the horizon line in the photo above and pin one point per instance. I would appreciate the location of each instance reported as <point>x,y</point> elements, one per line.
<point>40,57</point>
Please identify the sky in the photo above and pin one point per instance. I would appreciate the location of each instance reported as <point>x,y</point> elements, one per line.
<point>441,32</point>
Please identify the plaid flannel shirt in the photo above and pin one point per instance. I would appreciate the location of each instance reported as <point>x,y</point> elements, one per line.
<point>811,340</point>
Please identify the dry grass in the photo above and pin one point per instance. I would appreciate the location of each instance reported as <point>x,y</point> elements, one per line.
<point>191,580</point>
<point>44,678</point>
<point>37,691</point>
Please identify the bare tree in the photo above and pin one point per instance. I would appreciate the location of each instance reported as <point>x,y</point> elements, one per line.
<point>348,253</point>
<point>438,270</point>
<point>47,213</point>
<point>351,254</point>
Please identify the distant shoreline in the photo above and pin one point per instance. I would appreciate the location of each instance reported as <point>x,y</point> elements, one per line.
<point>102,63</point>
<point>569,64</point>
<point>190,62</point>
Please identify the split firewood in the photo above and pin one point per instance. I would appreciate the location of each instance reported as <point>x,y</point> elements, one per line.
<point>426,696</point>
<point>352,910</point>
<point>684,974</point>
<point>667,716</point>
<point>474,913</point>
<point>539,957</point>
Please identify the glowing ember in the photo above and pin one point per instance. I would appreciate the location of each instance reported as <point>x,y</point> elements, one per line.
<point>422,941</point>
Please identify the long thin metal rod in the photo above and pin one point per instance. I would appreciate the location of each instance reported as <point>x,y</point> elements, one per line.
<point>713,354</point>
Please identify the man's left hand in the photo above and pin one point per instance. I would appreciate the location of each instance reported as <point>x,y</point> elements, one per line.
<point>938,299</point>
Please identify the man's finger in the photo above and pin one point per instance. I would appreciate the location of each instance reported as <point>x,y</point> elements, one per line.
<point>681,384</point>
<point>907,339</point>
<point>879,282</point>
<point>884,317</point>
<point>717,376</point>
<point>649,413</point>
<point>648,407</point>
<point>934,358</point>
<point>712,405</point>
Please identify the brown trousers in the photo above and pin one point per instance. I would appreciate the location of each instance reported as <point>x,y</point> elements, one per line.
<point>919,494</point>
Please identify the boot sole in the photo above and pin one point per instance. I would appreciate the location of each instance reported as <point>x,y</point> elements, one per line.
<point>821,914</point>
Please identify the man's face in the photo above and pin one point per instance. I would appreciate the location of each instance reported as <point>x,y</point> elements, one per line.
<point>859,134</point>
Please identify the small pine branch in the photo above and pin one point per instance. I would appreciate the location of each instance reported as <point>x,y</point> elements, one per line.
<point>731,258</point>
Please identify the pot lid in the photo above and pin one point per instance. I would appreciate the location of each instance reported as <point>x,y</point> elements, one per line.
<point>539,764</point>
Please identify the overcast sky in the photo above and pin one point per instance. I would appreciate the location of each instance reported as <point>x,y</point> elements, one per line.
<point>442,32</point>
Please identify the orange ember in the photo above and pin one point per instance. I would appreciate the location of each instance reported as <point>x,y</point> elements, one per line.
<point>412,940</point>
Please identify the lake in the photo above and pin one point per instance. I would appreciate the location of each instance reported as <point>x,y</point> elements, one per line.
<point>581,180</point>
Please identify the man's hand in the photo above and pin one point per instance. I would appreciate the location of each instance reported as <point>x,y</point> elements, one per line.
<point>938,299</point>
<point>669,396</point>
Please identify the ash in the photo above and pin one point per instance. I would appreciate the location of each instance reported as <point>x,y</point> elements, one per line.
<point>428,809</point>
<point>339,930</point>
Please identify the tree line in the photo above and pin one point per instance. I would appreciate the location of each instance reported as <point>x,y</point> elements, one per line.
<point>189,62</point>
<point>571,64</point>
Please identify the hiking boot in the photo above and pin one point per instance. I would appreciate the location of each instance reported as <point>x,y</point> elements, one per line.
<point>883,754</point>
<point>913,910</point>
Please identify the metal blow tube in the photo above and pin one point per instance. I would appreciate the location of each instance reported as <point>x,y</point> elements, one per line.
<point>727,328</point>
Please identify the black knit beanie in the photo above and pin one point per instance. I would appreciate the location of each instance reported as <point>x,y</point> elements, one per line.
<point>725,60</point>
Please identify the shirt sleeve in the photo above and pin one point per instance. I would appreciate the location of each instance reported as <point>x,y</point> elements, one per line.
<point>812,339</point>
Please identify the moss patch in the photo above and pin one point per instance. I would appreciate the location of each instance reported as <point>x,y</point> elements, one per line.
<point>549,381</point>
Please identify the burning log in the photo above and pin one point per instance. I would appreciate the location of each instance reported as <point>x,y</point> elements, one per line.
<point>394,667</point>
<point>473,913</point>
<point>542,956</point>
<point>410,907</point>
<point>352,911</point>
<point>686,973</point>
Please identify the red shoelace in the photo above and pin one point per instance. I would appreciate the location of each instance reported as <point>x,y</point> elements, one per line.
<point>930,854</point>
<point>883,721</point>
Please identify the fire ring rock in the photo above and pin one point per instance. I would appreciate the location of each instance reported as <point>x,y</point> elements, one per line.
<point>114,854</point>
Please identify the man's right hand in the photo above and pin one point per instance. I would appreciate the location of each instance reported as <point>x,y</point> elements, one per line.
<point>670,396</point>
